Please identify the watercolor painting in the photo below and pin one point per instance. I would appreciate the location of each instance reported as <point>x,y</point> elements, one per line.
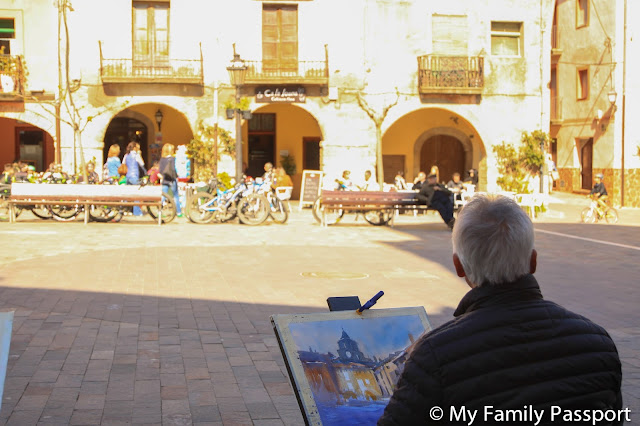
<point>348,365</point>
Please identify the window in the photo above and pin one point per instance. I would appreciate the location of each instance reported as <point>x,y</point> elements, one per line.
<point>582,13</point>
<point>150,32</point>
<point>7,32</point>
<point>506,38</point>
<point>449,35</point>
<point>280,37</point>
<point>583,84</point>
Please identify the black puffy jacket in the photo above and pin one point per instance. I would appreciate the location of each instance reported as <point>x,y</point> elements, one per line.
<point>510,349</point>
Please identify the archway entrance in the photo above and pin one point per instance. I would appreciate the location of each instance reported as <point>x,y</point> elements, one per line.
<point>21,141</point>
<point>432,137</point>
<point>139,123</point>
<point>123,130</point>
<point>282,132</point>
<point>445,152</point>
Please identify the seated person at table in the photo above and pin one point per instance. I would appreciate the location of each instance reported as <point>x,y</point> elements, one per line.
<point>399,181</point>
<point>345,183</point>
<point>437,196</point>
<point>472,178</point>
<point>419,181</point>
<point>456,186</point>
<point>369,183</point>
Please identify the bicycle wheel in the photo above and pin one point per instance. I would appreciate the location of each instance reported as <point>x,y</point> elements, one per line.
<point>104,214</point>
<point>42,212</point>
<point>378,217</point>
<point>588,215</point>
<point>611,215</point>
<point>199,208</point>
<point>332,215</point>
<point>167,212</point>
<point>65,213</point>
<point>278,211</point>
<point>253,209</point>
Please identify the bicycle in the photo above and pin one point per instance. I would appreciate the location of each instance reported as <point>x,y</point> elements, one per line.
<point>594,212</point>
<point>277,208</point>
<point>250,207</point>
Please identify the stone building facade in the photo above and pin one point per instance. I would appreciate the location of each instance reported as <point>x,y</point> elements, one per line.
<point>461,76</point>
<point>595,95</point>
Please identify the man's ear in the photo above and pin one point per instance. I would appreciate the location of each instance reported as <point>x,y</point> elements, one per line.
<point>458,265</point>
<point>533,263</point>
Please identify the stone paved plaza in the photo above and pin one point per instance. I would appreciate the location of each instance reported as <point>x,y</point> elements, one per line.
<point>132,323</point>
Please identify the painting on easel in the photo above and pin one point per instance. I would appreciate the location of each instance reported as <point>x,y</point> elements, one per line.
<point>344,366</point>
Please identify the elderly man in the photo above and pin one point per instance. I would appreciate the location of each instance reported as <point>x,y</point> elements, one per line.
<point>507,348</point>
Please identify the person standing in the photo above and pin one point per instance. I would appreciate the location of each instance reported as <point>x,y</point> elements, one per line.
<point>507,348</point>
<point>134,162</point>
<point>113,162</point>
<point>169,175</point>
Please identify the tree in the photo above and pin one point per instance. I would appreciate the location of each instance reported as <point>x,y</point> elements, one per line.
<point>205,149</point>
<point>515,166</point>
<point>377,119</point>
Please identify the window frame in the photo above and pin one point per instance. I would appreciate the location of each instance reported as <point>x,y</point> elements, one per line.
<point>579,84</point>
<point>587,11</point>
<point>518,35</point>
<point>8,39</point>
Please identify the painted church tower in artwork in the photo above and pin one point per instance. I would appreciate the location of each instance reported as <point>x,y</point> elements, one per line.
<point>348,350</point>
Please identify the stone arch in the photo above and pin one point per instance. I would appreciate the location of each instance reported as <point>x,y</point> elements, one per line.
<point>462,137</point>
<point>297,132</point>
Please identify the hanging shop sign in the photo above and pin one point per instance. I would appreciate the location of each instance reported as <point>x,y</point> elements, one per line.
<point>273,94</point>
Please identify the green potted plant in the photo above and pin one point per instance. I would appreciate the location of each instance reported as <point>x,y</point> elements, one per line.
<point>230,107</point>
<point>288,163</point>
<point>245,106</point>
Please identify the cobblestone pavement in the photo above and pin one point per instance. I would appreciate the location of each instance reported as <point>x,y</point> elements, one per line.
<point>134,323</point>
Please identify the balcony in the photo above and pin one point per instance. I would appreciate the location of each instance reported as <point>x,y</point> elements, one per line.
<point>556,114</point>
<point>296,72</point>
<point>450,74</point>
<point>12,78</point>
<point>151,66</point>
<point>556,50</point>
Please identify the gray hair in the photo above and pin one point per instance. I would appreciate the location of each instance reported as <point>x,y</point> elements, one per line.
<point>493,237</point>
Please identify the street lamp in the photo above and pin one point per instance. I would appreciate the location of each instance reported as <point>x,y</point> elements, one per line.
<point>159,118</point>
<point>613,96</point>
<point>237,71</point>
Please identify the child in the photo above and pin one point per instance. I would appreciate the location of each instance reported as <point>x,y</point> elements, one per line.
<point>153,173</point>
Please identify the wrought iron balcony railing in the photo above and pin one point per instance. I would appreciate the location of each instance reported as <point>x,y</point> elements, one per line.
<point>450,74</point>
<point>556,110</point>
<point>295,72</point>
<point>12,76</point>
<point>151,64</point>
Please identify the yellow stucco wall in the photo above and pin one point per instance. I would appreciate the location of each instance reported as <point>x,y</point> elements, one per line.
<point>175,127</point>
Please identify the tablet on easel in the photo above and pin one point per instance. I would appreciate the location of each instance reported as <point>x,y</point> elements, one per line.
<point>344,366</point>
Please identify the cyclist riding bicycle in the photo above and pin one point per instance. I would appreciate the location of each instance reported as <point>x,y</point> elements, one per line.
<point>599,192</point>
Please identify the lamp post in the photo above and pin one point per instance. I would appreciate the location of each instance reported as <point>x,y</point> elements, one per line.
<point>159,118</point>
<point>237,71</point>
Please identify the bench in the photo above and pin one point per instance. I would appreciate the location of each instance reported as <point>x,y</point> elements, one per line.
<point>370,201</point>
<point>85,195</point>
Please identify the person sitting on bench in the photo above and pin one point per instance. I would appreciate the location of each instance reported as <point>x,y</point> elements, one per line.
<point>437,196</point>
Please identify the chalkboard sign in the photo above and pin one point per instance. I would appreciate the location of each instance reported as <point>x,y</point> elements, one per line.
<point>311,185</point>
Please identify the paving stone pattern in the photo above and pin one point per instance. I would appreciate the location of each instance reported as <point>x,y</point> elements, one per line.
<point>132,323</point>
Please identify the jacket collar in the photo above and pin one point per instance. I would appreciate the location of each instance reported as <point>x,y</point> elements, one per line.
<point>523,289</point>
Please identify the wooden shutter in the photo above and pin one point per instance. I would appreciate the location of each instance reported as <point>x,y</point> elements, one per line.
<point>280,37</point>
<point>449,35</point>
<point>270,37</point>
<point>289,38</point>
